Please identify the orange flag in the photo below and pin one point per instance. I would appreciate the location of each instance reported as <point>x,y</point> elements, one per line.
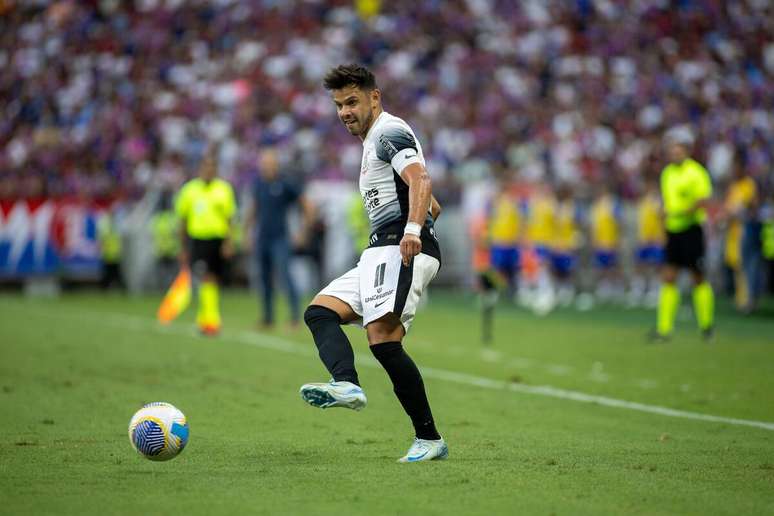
<point>177,298</point>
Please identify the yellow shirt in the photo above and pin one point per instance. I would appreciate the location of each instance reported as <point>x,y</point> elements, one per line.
<point>504,221</point>
<point>206,208</point>
<point>741,194</point>
<point>109,239</point>
<point>166,242</point>
<point>682,186</point>
<point>541,224</point>
<point>650,229</point>
<point>604,225</point>
<point>767,238</point>
<point>566,234</point>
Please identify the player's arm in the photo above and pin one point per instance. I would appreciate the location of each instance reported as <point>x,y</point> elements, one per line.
<point>398,147</point>
<point>435,207</point>
<point>420,195</point>
<point>308,217</point>
<point>704,191</point>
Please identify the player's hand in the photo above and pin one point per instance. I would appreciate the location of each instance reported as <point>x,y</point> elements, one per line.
<point>410,246</point>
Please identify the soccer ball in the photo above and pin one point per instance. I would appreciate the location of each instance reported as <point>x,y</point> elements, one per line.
<point>158,431</point>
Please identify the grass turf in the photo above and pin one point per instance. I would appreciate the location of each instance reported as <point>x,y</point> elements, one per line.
<point>73,370</point>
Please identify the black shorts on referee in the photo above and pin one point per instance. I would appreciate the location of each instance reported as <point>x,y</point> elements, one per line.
<point>207,256</point>
<point>685,249</point>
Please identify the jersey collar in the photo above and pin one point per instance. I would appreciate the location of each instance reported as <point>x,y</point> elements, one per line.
<point>373,125</point>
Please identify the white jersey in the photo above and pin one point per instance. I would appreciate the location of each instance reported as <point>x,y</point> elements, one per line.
<point>388,148</point>
<point>381,283</point>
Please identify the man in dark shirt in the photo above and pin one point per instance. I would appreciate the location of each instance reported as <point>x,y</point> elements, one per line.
<point>267,228</point>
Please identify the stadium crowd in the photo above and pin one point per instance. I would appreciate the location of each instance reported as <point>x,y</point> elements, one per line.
<point>104,98</point>
<point>108,96</point>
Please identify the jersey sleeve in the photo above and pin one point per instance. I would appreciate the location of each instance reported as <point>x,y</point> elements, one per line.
<point>397,146</point>
<point>229,205</point>
<point>704,183</point>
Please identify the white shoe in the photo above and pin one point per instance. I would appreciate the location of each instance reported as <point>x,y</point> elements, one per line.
<point>425,449</point>
<point>334,394</point>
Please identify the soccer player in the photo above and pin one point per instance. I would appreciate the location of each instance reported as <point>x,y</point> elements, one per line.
<point>650,247</point>
<point>604,217</point>
<point>564,250</point>
<point>537,289</point>
<point>206,207</point>
<point>739,207</point>
<point>504,233</point>
<point>685,190</point>
<point>403,256</point>
<point>489,281</point>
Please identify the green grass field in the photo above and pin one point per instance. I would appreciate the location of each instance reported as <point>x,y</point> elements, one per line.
<point>74,370</point>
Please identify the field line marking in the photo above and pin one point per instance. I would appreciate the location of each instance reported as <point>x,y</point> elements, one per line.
<point>272,342</point>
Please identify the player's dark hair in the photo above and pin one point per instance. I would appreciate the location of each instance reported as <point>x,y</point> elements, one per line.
<point>347,75</point>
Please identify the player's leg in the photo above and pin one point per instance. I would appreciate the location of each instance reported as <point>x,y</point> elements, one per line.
<point>669,293</point>
<point>333,306</point>
<point>207,266</point>
<point>668,302</point>
<point>391,293</point>
<point>752,262</point>
<point>384,338</point>
<point>324,317</point>
<point>703,303</point>
<point>703,296</point>
<point>282,257</point>
<point>488,294</point>
<point>267,282</point>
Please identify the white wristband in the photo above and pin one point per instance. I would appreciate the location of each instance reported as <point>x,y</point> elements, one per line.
<point>412,228</point>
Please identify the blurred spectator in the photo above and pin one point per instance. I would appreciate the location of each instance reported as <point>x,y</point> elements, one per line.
<point>566,245</point>
<point>503,232</point>
<point>566,91</point>
<point>649,247</point>
<point>767,239</point>
<point>166,240</point>
<point>109,238</point>
<point>266,226</point>
<point>357,220</point>
<point>739,206</point>
<point>604,227</point>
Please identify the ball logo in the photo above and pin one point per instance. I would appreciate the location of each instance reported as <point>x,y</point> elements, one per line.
<point>148,437</point>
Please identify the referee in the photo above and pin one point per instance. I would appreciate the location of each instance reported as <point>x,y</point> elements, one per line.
<point>206,207</point>
<point>685,190</point>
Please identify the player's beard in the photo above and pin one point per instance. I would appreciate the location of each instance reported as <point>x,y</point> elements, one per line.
<point>365,125</point>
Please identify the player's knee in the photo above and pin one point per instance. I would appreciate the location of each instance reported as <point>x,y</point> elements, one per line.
<point>315,315</point>
<point>386,329</point>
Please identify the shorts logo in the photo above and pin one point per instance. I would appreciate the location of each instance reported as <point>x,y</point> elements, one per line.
<point>379,275</point>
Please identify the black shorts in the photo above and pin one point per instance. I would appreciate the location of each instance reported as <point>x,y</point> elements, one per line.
<point>207,256</point>
<point>686,248</point>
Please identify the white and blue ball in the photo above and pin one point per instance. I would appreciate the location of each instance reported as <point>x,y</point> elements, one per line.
<point>158,431</point>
